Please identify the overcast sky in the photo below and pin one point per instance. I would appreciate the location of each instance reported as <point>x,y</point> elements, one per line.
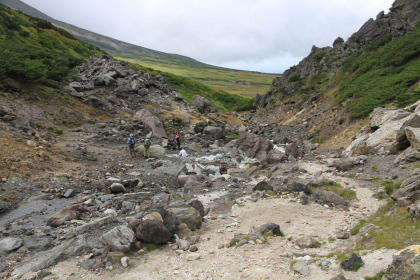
<point>259,35</point>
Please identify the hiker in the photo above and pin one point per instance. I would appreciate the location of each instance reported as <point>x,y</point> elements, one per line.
<point>193,171</point>
<point>171,144</point>
<point>178,139</point>
<point>131,141</point>
<point>147,144</point>
<point>183,153</point>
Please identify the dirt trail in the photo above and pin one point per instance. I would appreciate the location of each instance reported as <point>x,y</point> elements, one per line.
<point>270,260</point>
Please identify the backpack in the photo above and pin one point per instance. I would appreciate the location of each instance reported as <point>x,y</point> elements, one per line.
<point>132,141</point>
<point>147,143</point>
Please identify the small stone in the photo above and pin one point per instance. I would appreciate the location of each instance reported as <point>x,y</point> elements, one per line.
<point>125,261</point>
<point>69,193</point>
<point>193,248</point>
<point>110,212</point>
<point>193,257</point>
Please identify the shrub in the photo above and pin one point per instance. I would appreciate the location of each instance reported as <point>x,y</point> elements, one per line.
<point>294,78</point>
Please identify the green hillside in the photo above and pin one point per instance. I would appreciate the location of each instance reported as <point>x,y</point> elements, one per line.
<point>33,50</point>
<point>383,73</point>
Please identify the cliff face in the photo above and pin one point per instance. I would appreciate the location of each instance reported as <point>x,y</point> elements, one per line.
<point>323,63</point>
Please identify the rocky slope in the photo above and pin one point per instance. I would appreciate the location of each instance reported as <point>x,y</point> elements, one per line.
<point>306,95</point>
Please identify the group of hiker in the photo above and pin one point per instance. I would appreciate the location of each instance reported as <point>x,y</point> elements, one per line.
<point>176,142</point>
<point>172,143</point>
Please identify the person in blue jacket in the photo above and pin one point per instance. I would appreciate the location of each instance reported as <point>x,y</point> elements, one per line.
<point>131,141</point>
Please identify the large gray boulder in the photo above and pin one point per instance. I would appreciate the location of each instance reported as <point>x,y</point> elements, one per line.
<point>405,264</point>
<point>202,105</point>
<point>68,213</point>
<point>64,251</point>
<point>152,231</point>
<point>253,145</point>
<point>150,119</point>
<point>188,215</point>
<point>412,121</point>
<point>118,239</point>
<point>214,132</point>
<point>9,244</point>
<point>330,198</point>
<point>414,210</point>
<point>409,191</point>
<point>275,156</point>
<point>413,136</point>
<point>380,116</point>
<point>381,141</point>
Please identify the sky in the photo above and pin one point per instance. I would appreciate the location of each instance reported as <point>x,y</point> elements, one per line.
<point>267,36</point>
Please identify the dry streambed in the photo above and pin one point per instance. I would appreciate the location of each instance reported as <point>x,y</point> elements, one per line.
<point>269,260</point>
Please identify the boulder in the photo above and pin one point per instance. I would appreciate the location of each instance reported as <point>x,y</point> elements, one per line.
<point>405,264</point>
<point>352,263</point>
<point>306,242</point>
<point>262,186</point>
<point>118,239</point>
<point>152,231</point>
<point>412,121</point>
<point>294,150</point>
<point>117,188</point>
<point>153,216</point>
<point>196,204</point>
<point>37,243</point>
<point>329,198</point>
<point>150,119</point>
<point>9,244</point>
<point>68,213</point>
<point>413,135</point>
<point>253,145</point>
<point>414,210</point>
<point>156,151</point>
<point>409,191</point>
<point>187,215</point>
<point>199,127</point>
<point>270,228</point>
<point>344,164</point>
<point>299,187</point>
<point>214,132</point>
<point>275,156</point>
<point>381,141</point>
<point>64,251</point>
<point>301,267</point>
<point>202,105</point>
<point>380,116</point>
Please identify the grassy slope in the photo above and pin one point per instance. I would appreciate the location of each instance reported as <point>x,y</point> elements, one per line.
<point>32,50</point>
<point>383,74</point>
<point>244,83</point>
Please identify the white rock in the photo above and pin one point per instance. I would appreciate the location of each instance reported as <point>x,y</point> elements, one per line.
<point>193,257</point>
<point>125,261</point>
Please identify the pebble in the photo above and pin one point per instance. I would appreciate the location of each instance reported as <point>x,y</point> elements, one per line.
<point>193,257</point>
<point>125,261</point>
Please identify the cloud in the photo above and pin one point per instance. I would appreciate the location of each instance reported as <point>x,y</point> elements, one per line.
<point>262,35</point>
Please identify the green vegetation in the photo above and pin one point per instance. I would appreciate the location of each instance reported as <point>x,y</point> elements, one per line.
<point>331,239</point>
<point>222,100</point>
<point>33,50</point>
<point>347,194</point>
<point>355,230</point>
<point>378,276</point>
<point>390,187</point>
<point>243,83</point>
<point>382,74</point>
<point>233,242</point>
<point>396,228</point>
<point>151,247</point>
